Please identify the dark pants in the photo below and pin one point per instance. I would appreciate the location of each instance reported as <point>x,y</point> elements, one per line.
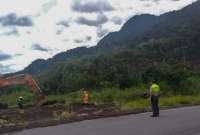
<point>20,105</point>
<point>154,105</point>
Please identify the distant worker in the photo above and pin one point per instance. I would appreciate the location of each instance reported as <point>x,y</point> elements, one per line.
<point>154,93</point>
<point>85,97</point>
<point>20,102</point>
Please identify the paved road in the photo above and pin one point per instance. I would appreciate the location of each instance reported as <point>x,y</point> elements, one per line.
<point>182,121</point>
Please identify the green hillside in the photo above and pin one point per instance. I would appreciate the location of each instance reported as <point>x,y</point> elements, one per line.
<point>165,47</point>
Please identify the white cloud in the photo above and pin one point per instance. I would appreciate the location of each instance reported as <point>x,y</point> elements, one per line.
<point>47,15</point>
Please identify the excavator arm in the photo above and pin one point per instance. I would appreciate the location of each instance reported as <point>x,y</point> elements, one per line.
<point>24,80</point>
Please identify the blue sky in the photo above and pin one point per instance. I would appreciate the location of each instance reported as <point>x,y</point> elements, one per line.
<point>32,29</point>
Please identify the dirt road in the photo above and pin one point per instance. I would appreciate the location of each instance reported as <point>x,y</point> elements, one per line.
<point>182,121</point>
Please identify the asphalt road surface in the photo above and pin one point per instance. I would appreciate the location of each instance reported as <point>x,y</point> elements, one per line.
<point>182,121</point>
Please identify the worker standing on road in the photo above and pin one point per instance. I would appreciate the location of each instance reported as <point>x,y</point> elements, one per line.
<point>154,93</point>
<point>85,97</point>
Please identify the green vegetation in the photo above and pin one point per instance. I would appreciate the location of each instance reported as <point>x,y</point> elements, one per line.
<point>10,95</point>
<point>118,70</point>
<point>127,99</point>
<point>58,115</point>
<point>148,47</point>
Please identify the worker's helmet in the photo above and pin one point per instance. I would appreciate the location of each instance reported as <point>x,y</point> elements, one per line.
<point>20,97</point>
<point>85,91</point>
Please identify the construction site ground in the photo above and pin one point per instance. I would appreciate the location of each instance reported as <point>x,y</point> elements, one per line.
<point>49,115</point>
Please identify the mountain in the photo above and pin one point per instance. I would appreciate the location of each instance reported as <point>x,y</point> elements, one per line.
<point>135,27</point>
<point>139,28</point>
<point>165,47</point>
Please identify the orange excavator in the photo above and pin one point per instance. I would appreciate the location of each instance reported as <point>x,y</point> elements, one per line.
<point>24,80</point>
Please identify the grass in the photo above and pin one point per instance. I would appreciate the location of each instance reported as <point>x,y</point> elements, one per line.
<point>114,95</point>
<point>180,100</point>
<point>58,115</point>
<point>11,99</point>
<point>71,98</point>
<point>106,96</point>
<point>163,102</point>
<point>127,99</point>
<point>138,104</point>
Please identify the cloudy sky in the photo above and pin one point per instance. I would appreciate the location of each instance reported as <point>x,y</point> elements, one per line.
<point>32,29</point>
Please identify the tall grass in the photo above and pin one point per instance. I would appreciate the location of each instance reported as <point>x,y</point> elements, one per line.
<point>71,98</point>
<point>127,99</point>
<point>116,96</point>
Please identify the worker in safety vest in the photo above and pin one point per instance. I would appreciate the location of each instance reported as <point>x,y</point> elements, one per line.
<point>85,97</point>
<point>154,93</point>
<point>20,104</point>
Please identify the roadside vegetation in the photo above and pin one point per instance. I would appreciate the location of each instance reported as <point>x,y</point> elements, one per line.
<point>126,99</point>
<point>68,106</point>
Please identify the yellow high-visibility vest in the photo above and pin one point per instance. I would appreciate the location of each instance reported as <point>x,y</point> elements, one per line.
<point>155,88</point>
